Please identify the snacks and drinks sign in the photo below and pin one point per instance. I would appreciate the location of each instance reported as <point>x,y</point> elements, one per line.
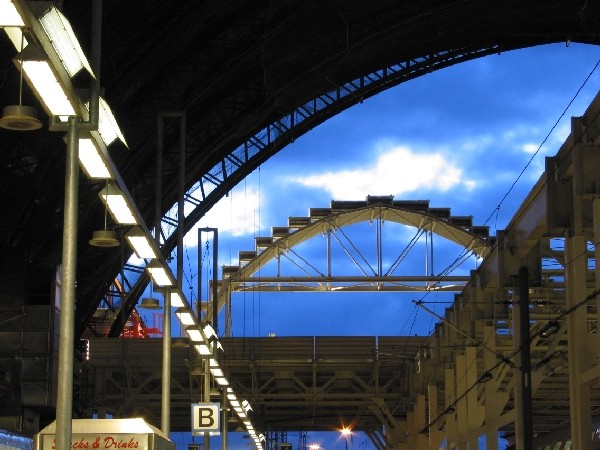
<point>107,434</point>
<point>92,441</point>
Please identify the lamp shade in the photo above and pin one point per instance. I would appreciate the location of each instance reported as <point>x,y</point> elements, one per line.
<point>20,118</point>
<point>149,303</point>
<point>104,238</point>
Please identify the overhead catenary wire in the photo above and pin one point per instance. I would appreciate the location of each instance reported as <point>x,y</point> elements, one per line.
<point>497,209</point>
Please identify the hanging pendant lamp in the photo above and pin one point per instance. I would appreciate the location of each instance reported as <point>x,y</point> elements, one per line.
<point>150,302</point>
<point>105,237</point>
<point>20,117</point>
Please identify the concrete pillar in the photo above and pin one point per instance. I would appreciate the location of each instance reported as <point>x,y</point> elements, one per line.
<point>579,360</point>
<point>435,436</point>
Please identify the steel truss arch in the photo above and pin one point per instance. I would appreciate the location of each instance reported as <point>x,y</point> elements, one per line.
<point>417,214</point>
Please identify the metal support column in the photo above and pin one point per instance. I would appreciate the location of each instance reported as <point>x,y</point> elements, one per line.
<point>64,399</point>
<point>165,411</point>
<point>206,398</point>
<point>224,419</point>
<point>215,287</point>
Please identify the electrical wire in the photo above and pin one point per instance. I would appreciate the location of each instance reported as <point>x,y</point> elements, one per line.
<point>542,144</point>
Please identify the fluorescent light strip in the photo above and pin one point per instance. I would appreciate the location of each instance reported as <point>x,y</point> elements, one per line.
<point>216,372</point>
<point>159,274</point>
<point>194,334</point>
<point>91,161</point>
<point>9,16</point>
<point>177,300</point>
<point>46,85</point>
<point>141,247</point>
<point>63,39</point>
<point>222,381</point>
<point>209,331</point>
<point>107,125</point>
<point>203,349</point>
<point>117,204</point>
<point>185,317</point>
<point>140,243</point>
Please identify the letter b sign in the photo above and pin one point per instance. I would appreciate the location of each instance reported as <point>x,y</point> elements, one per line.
<point>205,417</point>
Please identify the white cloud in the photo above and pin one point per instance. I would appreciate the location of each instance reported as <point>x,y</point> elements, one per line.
<point>395,172</point>
<point>530,148</point>
<point>237,214</point>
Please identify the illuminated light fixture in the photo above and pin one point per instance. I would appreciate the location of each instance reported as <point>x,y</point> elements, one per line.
<point>91,162</point>
<point>159,274</point>
<point>107,125</point>
<point>203,349</point>
<point>63,39</point>
<point>216,372</point>
<point>231,396</point>
<point>118,205</point>
<point>194,334</point>
<point>211,335</point>
<point>108,128</point>
<point>246,405</point>
<point>185,317</point>
<point>222,381</point>
<point>209,331</point>
<point>177,300</point>
<point>20,117</point>
<point>9,16</point>
<point>551,328</point>
<point>46,85</point>
<point>141,244</point>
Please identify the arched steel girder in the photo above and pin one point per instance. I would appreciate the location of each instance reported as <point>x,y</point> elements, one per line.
<point>234,167</point>
<point>415,214</point>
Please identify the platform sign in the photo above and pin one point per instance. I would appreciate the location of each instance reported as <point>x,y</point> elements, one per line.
<point>205,417</point>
